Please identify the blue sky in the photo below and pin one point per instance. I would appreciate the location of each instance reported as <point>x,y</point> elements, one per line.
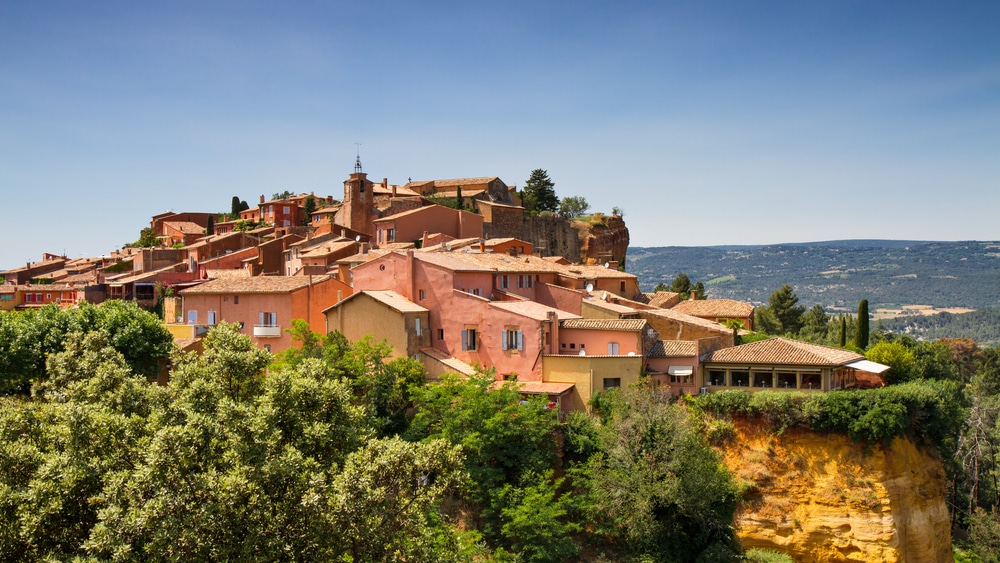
<point>706,122</point>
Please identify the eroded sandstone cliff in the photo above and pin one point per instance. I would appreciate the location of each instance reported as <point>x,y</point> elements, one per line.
<point>824,497</point>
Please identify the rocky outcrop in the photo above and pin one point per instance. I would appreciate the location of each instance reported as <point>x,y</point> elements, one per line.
<point>824,497</point>
<point>602,240</point>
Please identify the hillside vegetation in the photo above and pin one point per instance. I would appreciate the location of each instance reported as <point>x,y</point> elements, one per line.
<point>836,273</point>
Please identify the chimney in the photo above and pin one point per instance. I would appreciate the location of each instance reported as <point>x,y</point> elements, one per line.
<point>385,183</point>
<point>694,295</point>
<point>262,198</point>
<point>423,240</point>
<point>482,245</point>
<point>364,248</point>
<point>394,191</point>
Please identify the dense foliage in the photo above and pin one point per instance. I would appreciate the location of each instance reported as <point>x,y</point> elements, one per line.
<point>539,193</point>
<point>28,337</point>
<point>334,451</point>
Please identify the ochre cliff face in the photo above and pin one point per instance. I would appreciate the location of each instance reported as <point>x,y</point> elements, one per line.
<point>600,242</point>
<point>824,497</point>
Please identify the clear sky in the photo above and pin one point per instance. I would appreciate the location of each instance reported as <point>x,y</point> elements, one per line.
<point>709,122</point>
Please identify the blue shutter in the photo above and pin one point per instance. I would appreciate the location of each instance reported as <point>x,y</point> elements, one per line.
<point>465,340</point>
<point>520,340</point>
<point>503,339</point>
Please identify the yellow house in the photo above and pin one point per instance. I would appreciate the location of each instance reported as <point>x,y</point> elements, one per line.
<point>387,314</point>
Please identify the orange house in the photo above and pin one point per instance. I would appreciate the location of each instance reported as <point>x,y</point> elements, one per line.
<point>264,306</point>
<point>410,226</point>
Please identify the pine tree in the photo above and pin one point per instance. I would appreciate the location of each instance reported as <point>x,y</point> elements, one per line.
<point>308,208</point>
<point>784,304</point>
<point>539,193</point>
<point>861,338</point>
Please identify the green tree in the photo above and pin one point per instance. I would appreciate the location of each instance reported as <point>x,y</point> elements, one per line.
<point>309,207</point>
<point>539,193</point>
<point>664,492</point>
<point>843,331</point>
<point>784,304</point>
<point>147,239</point>
<point>681,284</point>
<point>895,355</point>
<point>536,520</point>
<point>210,225</point>
<point>766,321</point>
<point>235,208</point>
<point>815,324</point>
<point>861,336</point>
<point>572,207</point>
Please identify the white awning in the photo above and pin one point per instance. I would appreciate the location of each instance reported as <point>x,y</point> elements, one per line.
<point>865,365</point>
<point>680,370</point>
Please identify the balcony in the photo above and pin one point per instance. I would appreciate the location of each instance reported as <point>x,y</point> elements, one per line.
<point>266,331</point>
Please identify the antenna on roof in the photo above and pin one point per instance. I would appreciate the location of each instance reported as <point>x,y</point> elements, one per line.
<point>357,159</point>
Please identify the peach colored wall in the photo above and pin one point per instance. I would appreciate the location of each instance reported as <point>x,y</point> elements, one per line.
<point>561,298</point>
<point>596,341</point>
<point>434,218</point>
<point>520,246</point>
<point>531,292</point>
<point>614,285</point>
<point>663,364</point>
<point>302,304</point>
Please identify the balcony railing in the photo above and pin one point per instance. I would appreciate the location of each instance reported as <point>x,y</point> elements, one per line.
<point>267,331</point>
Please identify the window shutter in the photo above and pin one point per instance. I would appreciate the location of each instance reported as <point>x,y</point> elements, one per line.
<point>260,319</point>
<point>520,340</point>
<point>465,340</point>
<point>503,339</point>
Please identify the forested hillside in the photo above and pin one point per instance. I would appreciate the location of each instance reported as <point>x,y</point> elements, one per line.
<point>836,273</point>
<point>981,326</point>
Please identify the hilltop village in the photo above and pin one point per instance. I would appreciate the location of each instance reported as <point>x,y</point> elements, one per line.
<point>476,285</point>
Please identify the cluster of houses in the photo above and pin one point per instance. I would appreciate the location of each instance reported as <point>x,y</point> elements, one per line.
<point>387,260</point>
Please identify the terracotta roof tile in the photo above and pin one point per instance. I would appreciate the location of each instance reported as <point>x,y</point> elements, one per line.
<point>783,351</point>
<point>714,308</point>
<point>625,325</point>
<point>661,298</point>
<point>674,349</point>
<point>261,284</point>
<point>186,227</point>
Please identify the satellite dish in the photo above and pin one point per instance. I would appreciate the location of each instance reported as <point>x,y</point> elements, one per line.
<point>590,287</point>
<point>583,352</point>
<point>357,238</point>
<point>606,264</point>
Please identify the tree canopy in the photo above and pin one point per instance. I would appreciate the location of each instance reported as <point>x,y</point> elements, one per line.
<point>539,193</point>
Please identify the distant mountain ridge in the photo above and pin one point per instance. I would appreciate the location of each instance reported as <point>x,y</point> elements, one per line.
<point>835,274</point>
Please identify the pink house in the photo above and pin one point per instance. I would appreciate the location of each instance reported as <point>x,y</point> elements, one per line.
<point>464,322</point>
<point>410,226</point>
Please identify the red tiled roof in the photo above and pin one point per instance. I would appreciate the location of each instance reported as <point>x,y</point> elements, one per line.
<point>782,351</point>
<point>716,308</point>
<point>626,325</point>
<point>261,284</point>
<point>674,349</point>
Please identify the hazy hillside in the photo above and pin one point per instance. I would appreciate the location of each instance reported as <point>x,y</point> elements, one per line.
<point>836,273</point>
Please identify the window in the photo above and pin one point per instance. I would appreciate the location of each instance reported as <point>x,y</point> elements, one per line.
<point>572,346</point>
<point>390,235</point>
<point>739,379</point>
<point>469,339</point>
<point>787,380</point>
<point>6,297</point>
<point>562,345</point>
<point>612,382</point>
<point>623,286</point>
<point>423,294</point>
<point>192,317</point>
<point>440,334</point>
<point>504,282</point>
<point>48,296</point>
<point>612,348</point>
<point>269,319</point>
<point>38,297</point>
<point>416,326</point>
<point>286,210</point>
<point>236,300</point>
<point>29,297</point>
<point>473,290</point>
<point>763,379</point>
<point>512,339</point>
<point>267,347</point>
<point>716,377</point>
<point>811,381</point>
<point>211,318</point>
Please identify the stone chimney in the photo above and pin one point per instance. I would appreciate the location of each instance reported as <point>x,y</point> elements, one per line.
<point>262,198</point>
<point>482,245</point>
<point>694,295</point>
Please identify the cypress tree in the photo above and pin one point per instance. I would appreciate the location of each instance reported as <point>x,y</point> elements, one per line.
<point>459,204</point>
<point>843,331</point>
<point>236,207</point>
<point>861,338</point>
<point>210,226</point>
